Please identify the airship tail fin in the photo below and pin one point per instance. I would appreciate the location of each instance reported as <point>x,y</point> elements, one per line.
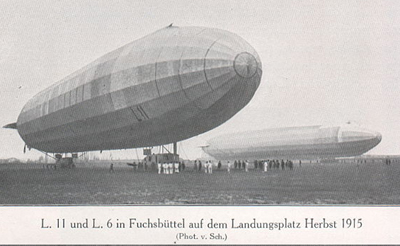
<point>11,125</point>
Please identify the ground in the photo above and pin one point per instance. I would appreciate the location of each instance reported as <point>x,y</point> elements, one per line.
<point>328,183</point>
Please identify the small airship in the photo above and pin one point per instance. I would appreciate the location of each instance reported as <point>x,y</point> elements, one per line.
<point>171,85</point>
<point>306,142</point>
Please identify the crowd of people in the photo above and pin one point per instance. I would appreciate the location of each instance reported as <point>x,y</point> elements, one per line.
<point>170,167</point>
<point>263,165</point>
<point>209,166</point>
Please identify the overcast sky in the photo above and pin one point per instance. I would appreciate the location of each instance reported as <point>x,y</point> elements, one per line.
<point>324,62</point>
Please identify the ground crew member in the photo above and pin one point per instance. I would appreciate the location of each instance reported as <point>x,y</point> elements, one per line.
<point>183,166</point>
<point>229,167</point>
<point>290,165</point>
<point>165,167</point>
<point>159,167</point>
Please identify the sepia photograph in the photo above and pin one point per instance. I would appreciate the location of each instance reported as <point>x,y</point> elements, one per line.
<point>203,104</point>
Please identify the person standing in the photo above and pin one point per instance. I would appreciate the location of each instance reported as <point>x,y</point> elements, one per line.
<point>182,166</point>
<point>159,167</point>
<point>229,167</point>
<point>165,165</point>
<point>246,166</point>
<point>111,168</point>
<point>210,167</point>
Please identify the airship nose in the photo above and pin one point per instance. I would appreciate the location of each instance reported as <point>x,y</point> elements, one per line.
<point>375,137</point>
<point>245,65</point>
<point>231,61</point>
<point>378,137</point>
<point>351,133</point>
<point>218,65</point>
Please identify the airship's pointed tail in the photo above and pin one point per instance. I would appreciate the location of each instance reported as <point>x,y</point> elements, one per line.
<point>11,125</point>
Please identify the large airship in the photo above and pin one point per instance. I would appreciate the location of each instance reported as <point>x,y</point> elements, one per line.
<point>168,86</point>
<point>299,143</point>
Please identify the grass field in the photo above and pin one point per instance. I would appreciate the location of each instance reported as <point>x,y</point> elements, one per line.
<point>330,183</point>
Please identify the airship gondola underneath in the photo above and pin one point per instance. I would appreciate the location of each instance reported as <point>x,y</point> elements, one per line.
<point>299,143</point>
<point>168,86</point>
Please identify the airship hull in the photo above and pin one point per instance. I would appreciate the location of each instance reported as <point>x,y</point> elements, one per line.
<point>311,142</point>
<point>168,86</point>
